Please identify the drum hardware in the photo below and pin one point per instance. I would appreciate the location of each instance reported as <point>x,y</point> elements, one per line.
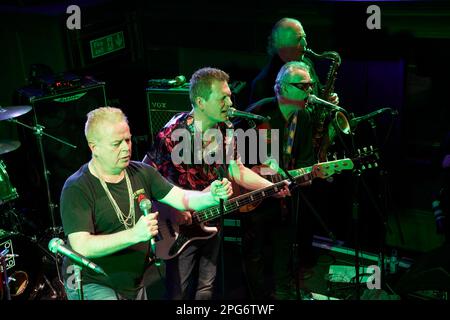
<point>13,112</point>
<point>15,284</point>
<point>8,145</point>
<point>38,290</point>
<point>31,274</point>
<point>7,191</point>
<point>9,113</point>
<point>10,219</point>
<point>4,273</point>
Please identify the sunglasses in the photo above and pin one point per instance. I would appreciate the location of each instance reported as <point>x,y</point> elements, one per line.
<point>303,85</point>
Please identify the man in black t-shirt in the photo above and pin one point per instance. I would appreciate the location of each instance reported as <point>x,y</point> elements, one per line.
<point>100,210</point>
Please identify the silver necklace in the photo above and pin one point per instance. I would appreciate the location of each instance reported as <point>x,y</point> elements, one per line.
<point>127,220</point>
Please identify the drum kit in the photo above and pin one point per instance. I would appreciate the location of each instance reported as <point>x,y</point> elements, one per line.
<point>21,265</point>
<point>7,191</point>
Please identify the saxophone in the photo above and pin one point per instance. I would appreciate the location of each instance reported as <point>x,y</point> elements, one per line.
<point>326,122</point>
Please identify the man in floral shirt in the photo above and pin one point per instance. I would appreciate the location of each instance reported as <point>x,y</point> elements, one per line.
<point>210,97</point>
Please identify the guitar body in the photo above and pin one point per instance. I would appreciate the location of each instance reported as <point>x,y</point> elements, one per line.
<point>173,236</point>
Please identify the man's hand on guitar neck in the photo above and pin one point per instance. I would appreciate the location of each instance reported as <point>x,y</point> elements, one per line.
<point>284,192</point>
<point>269,173</point>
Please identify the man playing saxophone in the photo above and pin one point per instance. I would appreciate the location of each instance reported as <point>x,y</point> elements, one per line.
<point>291,76</point>
<point>287,42</point>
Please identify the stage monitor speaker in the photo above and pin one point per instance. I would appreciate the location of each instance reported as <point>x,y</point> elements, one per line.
<point>431,271</point>
<point>163,104</point>
<point>62,115</point>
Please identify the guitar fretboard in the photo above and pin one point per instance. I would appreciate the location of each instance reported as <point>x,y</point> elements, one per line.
<point>245,199</point>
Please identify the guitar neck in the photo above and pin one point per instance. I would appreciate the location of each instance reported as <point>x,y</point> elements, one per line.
<point>297,172</point>
<point>248,198</point>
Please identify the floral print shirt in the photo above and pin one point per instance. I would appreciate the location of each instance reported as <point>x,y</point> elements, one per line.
<point>198,172</point>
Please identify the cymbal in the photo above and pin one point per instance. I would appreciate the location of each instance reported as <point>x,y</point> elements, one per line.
<point>13,112</point>
<point>8,145</point>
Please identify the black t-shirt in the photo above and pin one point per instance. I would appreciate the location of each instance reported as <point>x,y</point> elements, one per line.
<point>302,151</point>
<point>85,206</point>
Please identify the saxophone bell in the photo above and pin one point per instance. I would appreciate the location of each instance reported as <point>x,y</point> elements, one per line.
<point>340,122</point>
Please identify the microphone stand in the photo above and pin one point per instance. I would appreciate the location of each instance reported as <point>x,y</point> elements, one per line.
<point>355,217</point>
<point>77,271</point>
<point>38,130</point>
<point>382,214</point>
<point>295,207</point>
<point>295,243</point>
<point>221,226</point>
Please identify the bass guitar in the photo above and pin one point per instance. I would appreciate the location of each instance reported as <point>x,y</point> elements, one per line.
<point>175,236</point>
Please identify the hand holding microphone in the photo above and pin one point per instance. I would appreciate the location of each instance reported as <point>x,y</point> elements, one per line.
<point>148,223</point>
<point>221,189</point>
<point>147,226</point>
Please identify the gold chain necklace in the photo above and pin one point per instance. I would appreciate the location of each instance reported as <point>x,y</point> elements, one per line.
<point>127,220</point>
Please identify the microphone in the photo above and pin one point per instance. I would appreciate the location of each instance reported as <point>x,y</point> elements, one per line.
<point>233,113</point>
<point>145,205</point>
<point>354,122</point>
<point>313,99</point>
<point>57,245</point>
<point>176,82</point>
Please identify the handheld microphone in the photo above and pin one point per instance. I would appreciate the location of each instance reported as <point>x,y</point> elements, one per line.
<point>233,113</point>
<point>313,99</point>
<point>57,245</point>
<point>146,205</point>
<point>355,121</point>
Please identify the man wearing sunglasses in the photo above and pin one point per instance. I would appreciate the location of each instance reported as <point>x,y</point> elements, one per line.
<point>290,113</point>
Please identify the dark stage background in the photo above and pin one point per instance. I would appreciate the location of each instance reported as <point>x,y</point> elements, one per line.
<point>404,66</point>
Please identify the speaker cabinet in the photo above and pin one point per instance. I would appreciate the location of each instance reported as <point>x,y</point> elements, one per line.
<point>61,115</point>
<point>163,104</point>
